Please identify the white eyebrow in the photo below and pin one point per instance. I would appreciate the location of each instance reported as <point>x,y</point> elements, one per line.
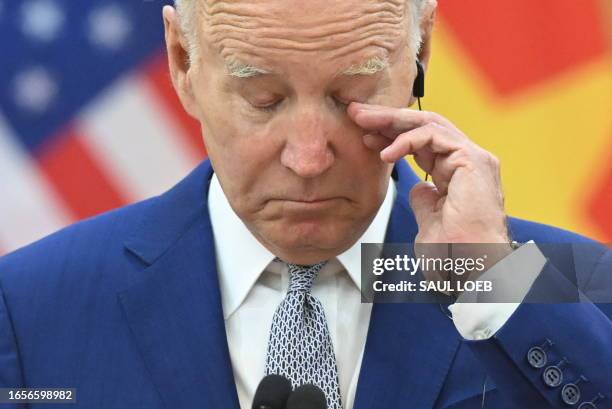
<point>370,67</point>
<point>240,70</point>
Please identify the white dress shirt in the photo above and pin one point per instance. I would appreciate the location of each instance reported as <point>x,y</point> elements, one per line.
<point>253,285</point>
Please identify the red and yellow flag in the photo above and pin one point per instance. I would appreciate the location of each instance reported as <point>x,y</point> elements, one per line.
<point>531,81</point>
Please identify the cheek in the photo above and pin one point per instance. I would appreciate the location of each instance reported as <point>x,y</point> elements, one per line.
<point>242,157</point>
<point>231,135</point>
<point>244,154</point>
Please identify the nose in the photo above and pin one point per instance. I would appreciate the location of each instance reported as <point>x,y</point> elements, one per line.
<point>307,151</point>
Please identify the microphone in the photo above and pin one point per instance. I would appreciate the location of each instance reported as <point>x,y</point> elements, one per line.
<point>272,393</point>
<point>307,397</point>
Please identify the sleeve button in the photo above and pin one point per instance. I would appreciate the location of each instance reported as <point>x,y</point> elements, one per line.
<point>570,394</point>
<point>553,375</point>
<point>537,357</point>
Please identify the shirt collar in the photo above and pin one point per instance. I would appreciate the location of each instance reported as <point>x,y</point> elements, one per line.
<point>238,273</point>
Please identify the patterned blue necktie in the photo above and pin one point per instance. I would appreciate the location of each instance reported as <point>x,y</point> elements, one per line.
<point>300,347</point>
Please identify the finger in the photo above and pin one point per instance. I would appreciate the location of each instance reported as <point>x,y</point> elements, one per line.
<point>389,123</point>
<point>423,199</point>
<point>376,142</point>
<point>434,137</point>
<point>431,162</point>
<point>356,106</point>
<point>470,166</point>
<point>425,158</point>
<point>445,167</point>
<point>392,121</point>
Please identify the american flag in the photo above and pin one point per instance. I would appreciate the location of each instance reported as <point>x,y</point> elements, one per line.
<point>88,117</point>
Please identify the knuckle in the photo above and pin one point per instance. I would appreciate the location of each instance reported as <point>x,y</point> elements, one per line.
<point>482,155</point>
<point>429,117</point>
<point>491,159</point>
<point>495,161</point>
<point>433,128</point>
<point>462,158</point>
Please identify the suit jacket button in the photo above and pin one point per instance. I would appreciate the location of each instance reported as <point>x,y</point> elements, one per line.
<point>553,374</point>
<point>570,394</point>
<point>536,356</point>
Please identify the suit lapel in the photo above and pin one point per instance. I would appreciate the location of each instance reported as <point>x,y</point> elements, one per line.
<point>174,309</point>
<point>410,347</point>
<point>175,314</point>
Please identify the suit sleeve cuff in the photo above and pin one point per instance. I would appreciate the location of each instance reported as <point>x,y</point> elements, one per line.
<point>513,275</point>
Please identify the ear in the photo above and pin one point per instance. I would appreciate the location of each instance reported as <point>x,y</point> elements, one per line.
<point>426,26</point>
<point>178,60</point>
<point>427,23</point>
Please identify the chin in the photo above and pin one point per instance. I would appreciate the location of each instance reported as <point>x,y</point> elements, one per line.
<point>311,242</point>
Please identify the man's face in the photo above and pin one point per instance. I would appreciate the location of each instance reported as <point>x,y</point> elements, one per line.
<point>290,161</point>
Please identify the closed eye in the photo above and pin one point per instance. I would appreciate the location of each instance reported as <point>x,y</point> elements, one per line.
<point>269,107</point>
<point>341,104</point>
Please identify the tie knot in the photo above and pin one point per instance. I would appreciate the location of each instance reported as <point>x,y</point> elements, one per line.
<point>302,277</point>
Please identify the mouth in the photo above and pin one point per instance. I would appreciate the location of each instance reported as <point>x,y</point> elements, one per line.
<point>310,204</point>
<point>312,201</point>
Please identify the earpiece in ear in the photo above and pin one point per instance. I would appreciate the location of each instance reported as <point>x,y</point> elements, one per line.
<point>418,89</point>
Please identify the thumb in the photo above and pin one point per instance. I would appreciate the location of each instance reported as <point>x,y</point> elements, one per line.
<point>423,199</point>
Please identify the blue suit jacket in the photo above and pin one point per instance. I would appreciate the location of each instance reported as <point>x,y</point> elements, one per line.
<point>126,308</point>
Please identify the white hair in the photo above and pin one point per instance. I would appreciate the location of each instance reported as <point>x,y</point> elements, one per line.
<point>187,12</point>
<point>240,70</point>
<point>369,67</point>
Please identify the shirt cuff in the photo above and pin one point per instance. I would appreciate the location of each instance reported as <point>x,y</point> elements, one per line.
<point>514,275</point>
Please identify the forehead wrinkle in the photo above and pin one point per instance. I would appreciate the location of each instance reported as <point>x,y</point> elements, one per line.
<point>235,28</point>
<point>368,45</point>
<point>246,12</point>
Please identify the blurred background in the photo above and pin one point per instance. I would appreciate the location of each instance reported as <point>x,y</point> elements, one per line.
<point>89,121</point>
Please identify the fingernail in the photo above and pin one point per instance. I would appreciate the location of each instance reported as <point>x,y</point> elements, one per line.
<point>368,140</point>
<point>366,110</point>
<point>365,107</point>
